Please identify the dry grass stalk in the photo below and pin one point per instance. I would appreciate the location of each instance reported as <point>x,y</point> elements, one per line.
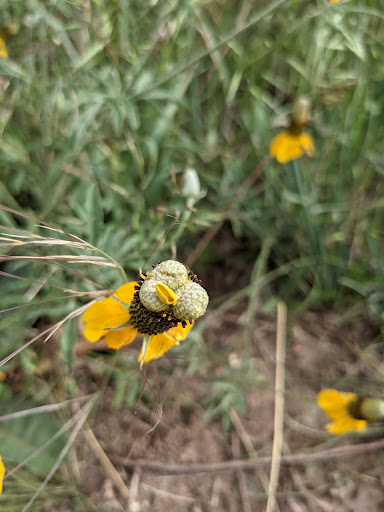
<point>107,464</point>
<point>279,405</point>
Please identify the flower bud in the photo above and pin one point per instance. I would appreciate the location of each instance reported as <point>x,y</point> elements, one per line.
<point>191,186</point>
<point>301,113</point>
<point>372,409</point>
<point>10,30</point>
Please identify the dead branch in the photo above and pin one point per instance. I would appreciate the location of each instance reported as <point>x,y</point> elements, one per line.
<point>164,468</point>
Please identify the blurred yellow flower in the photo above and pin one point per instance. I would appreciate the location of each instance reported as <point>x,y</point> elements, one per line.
<point>294,142</point>
<point>162,305</point>
<point>3,48</point>
<point>5,33</point>
<point>287,146</point>
<point>334,1</point>
<point>2,473</point>
<point>341,408</point>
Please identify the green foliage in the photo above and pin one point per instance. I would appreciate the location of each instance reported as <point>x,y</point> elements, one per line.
<point>105,104</point>
<point>229,392</point>
<point>67,342</point>
<point>105,108</point>
<point>22,436</point>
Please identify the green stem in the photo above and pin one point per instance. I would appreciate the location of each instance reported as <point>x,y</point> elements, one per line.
<point>304,201</point>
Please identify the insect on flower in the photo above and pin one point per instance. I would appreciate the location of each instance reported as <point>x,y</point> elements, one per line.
<point>162,305</point>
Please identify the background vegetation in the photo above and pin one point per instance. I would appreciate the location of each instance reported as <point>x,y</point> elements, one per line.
<point>103,107</point>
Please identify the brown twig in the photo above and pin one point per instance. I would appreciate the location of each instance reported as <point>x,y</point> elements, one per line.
<point>241,432</point>
<point>106,463</point>
<point>247,443</point>
<point>165,495</point>
<point>164,468</point>
<point>209,235</point>
<point>244,494</point>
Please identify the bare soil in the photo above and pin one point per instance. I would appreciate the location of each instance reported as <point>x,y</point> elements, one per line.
<point>323,350</point>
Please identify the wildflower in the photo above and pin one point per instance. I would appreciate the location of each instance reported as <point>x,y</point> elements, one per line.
<point>334,1</point>
<point>294,142</point>
<point>2,473</point>
<point>349,411</point>
<point>287,146</point>
<point>162,304</point>
<point>3,48</point>
<point>5,33</point>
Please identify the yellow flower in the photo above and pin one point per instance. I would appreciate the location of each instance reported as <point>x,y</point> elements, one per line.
<point>287,146</point>
<point>3,48</point>
<point>334,1</point>
<point>5,33</point>
<point>162,304</point>
<point>342,408</point>
<point>2,473</point>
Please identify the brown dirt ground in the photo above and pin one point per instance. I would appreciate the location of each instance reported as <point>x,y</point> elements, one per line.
<point>323,350</point>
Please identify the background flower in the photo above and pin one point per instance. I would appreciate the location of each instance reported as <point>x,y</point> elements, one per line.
<point>339,406</point>
<point>288,146</point>
<point>2,473</point>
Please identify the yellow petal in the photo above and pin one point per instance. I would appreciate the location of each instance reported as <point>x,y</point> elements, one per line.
<point>287,146</point>
<point>334,403</point>
<point>344,425</point>
<point>307,144</point>
<point>108,313</point>
<point>2,473</point>
<point>125,293</point>
<point>165,294</point>
<point>158,345</point>
<point>120,337</point>
<point>180,332</point>
<point>3,49</point>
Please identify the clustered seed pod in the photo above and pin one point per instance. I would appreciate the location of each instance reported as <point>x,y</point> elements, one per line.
<point>192,302</point>
<point>170,287</point>
<point>167,295</point>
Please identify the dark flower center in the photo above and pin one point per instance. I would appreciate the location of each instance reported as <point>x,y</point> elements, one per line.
<point>354,408</point>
